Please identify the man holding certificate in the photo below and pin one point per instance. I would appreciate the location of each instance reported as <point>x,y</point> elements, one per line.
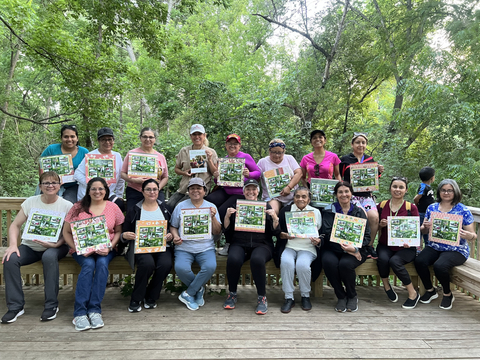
<point>193,224</point>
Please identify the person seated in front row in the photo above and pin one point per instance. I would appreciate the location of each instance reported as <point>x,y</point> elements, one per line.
<point>200,250</point>
<point>245,245</point>
<point>31,251</point>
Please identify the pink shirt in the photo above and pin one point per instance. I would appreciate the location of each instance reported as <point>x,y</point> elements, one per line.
<point>161,161</point>
<point>112,212</point>
<point>326,166</point>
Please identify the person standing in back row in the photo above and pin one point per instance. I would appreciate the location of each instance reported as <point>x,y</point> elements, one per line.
<point>424,197</point>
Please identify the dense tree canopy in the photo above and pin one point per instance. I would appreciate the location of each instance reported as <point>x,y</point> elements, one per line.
<point>406,72</point>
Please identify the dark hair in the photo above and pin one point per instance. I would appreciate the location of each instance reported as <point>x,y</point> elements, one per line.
<point>315,132</point>
<point>69,127</point>
<point>48,174</point>
<point>146,182</point>
<point>87,200</point>
<point>303,188</point>
<point>457,194</point>
<point>399,178</point>
<point>426,173</point>
<point>148,129</point>
<point>342,183</point>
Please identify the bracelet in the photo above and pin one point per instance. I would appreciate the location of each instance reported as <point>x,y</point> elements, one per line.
<point>288,185</point>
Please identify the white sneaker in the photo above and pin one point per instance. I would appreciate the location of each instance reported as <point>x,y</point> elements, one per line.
<point>224,251</point>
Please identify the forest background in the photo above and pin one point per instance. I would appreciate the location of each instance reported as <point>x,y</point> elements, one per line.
<point>404,71</point>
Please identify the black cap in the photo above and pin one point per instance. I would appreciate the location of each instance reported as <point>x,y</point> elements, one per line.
<point>251,182</point>
<point>315,132</point>
<point>105,131</point>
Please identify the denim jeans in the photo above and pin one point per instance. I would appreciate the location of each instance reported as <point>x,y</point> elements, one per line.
<point>92,282</point>
<point>183,268</point>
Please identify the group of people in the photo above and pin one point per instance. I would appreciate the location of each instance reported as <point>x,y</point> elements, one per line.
<point>306,257</point>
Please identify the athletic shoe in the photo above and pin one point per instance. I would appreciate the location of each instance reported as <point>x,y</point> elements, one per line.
<point>447,302</point>
<point>352,304</point>
<point>262,305</point>
<point>12,315</point>
<point>341,305</point>
<point>224,251</point>
<point>229,304</point>
<point>49,314</point>
<point>81,323</point>
<point>188,300</point>
<point>149,304</point>
<point>134,306</point>
<point>410,304</point>
<point>429,296</point>
<point>392,295</point>
<point>199,297</point>
<point>287,306</point>
<point>306,304</point>
<point>96,320</point>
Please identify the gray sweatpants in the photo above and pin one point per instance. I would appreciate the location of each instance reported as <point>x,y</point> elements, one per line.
<point>301,261</point>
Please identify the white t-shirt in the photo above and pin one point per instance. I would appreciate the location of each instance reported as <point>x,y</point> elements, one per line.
<point>298,244</point>
<point>266,164</point>
<point>35,202</point>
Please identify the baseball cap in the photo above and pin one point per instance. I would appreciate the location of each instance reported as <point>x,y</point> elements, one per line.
<point>234,136</point>
<point>196,181</point>
<point>315,132</point>
<point>251,182</point>
<point>105,131</point>
<point>197,128</point>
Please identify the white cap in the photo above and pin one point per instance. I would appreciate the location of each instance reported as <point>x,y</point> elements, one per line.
<point>197,128</point>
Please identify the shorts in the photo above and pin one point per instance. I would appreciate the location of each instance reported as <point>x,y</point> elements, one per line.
<point>365,202</point>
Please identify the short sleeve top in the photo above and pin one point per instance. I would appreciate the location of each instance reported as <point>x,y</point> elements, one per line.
<point>326,167</point>
<point>162,162</point>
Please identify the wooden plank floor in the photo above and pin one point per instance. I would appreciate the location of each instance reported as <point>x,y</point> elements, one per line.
<point>379,330</point>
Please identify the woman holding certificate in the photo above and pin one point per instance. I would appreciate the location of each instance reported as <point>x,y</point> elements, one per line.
<point>158,263</point>
<point>282,173</point>
<point>93,277</point>
<point>442,221</point>
<point>297,253</point>
<point>141,164</point>
<point>364,199</point>
<point>340,258</point>
<point>250,242</point>
<point>69,145</point>
<point>396,257</point>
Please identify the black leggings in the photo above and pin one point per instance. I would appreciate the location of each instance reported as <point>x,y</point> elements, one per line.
<point>442,262</point>
<point>396,260</point>
<point>340,267</point>
<point>258,256</point>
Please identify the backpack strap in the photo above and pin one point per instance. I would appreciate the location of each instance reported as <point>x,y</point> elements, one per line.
<point>408,206</point>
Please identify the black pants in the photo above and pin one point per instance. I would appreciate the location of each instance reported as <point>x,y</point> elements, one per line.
<point>442,262</point>
<point>159,264</point>
<point>134,196</point>
<point>258,256</point>
<point>396,260</point>
<point>340,268</point>
<point>223,201</point>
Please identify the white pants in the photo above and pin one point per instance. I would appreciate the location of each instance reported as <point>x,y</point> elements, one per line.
<point>301,261</point>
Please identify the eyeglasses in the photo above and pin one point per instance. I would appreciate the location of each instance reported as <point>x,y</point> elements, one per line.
<point>316,168</point>
<point>145,137</point>
<point>447,191</point>
<point>97,189</point>
<point>233,144</point>
<point>103,139</point>
<point>278,153</point>
<point>151,190</point>
<point>50,183</point>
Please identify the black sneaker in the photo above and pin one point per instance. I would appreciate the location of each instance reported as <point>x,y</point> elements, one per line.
<point>262,305</point>
<point>447,302</point>
<point>287,306</point>
<point>392,295</point>
<point>11,316</point>
<point>49,314</point>
<point>352,304</point>
<point>371,253</point>
<point>229,304</point>
<point>410,304</point>
<point>341,305</point>
<point>306,304</point>
<point>429,296</point>
<point>149,304</point>
<point>134,306</point>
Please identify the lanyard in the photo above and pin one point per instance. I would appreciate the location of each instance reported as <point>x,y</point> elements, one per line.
<point>397,209</point>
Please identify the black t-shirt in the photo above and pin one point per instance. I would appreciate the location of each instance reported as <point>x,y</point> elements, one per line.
<point>427,197</point>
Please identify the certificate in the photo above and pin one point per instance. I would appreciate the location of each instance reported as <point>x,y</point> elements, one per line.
<point>150,236</point>
<point>90,234</point>
<point>403,230</point>
<point>276,180</point>
<point>143,165</point>
<point>231,171</point>
<point>445,228</point>
<point>301,224</point>
<point>364,177</point>
<point>322,192</point>
<point>348,230</point>
<point>44,225</point>
<point>61,164</point>
<point>100,165</point>
<point>250,216</point>
<point>196,224</point>
<point>198,161</point>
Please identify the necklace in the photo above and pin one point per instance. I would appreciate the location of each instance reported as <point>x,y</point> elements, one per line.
<point>395,214</point>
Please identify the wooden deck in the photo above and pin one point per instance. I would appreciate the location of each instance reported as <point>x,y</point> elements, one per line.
<point>379,330</point>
